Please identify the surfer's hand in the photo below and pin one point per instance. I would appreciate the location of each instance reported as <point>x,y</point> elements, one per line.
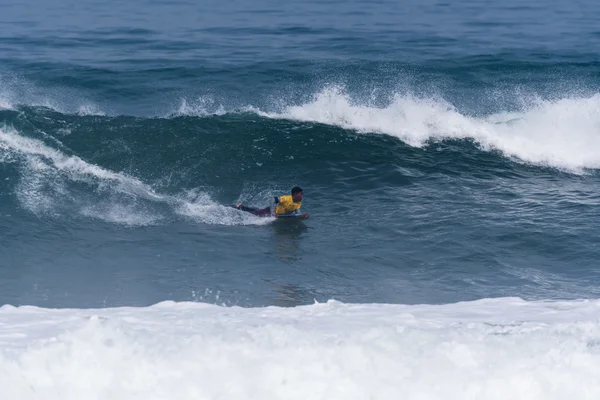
<point>306,215</point>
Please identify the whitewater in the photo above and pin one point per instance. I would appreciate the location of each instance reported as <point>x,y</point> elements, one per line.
<point>487,349</point>
<point>559,133</point>
<point>556,132</point>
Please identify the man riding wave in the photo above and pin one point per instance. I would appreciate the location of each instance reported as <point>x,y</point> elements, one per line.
<point>284,205</point>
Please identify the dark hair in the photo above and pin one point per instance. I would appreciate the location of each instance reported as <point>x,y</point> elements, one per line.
<point>296,189</point>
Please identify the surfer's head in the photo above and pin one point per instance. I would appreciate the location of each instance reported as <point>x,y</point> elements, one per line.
<point>296,194</point>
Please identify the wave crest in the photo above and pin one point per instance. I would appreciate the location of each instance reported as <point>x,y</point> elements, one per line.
<point>556,133</point>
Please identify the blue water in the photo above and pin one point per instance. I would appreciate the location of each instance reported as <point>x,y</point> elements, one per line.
<point>448,151</point>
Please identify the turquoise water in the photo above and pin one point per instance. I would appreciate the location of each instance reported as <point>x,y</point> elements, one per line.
<point>448,151</point>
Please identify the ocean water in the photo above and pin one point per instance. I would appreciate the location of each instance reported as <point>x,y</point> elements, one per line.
<point>449,154</point>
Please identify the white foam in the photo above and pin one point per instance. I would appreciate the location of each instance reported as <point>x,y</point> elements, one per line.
<point>5,104</point>
<point>126,214</point>
<point>16,91</point>
<point>216,214</point>
<point>37,151</point>
<point>90,109</point>
<point>201,107</point>
<point>47,187</point>
<point>561,133</point>
<point>200,207</point>
<point>489,349</point>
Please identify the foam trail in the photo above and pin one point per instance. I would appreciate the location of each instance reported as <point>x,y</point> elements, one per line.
<point>562,133</point>
<point>10,141</point>
<point>47,184</point>
<point>201,207</point>
<point>488,349</point>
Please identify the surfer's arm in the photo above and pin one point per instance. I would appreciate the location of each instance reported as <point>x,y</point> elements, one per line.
<point>276,199</point>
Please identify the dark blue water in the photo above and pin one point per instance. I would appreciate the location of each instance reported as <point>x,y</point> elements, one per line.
<point>448,151</point>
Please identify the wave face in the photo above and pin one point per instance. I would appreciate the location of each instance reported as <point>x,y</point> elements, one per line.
<point>192,160</point>
<point>439,200</point>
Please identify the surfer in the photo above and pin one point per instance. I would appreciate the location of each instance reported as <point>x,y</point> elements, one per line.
<point>284,205</point>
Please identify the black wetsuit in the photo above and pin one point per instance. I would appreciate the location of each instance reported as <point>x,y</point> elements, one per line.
<point>260,212</point>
